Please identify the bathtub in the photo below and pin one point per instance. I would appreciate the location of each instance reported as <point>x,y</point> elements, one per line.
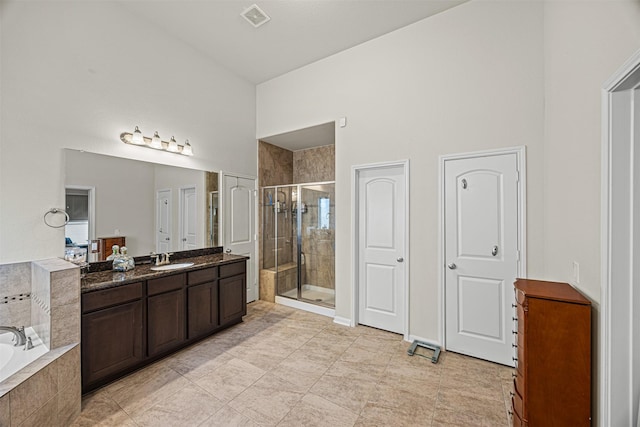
<point>12,359</point>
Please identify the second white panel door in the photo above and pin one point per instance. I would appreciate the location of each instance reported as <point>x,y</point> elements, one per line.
<point>163,209</point>
<point>188,219</point>
<point>381,208</point>
<point>481,253</point>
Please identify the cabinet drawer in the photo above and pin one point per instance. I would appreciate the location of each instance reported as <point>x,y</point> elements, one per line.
<point>165,284</point>
<point>202,276</point>
<point>100,299</point>
<point>233,269</point>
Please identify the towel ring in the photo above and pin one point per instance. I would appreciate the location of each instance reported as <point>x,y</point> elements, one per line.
<point>55,211</point>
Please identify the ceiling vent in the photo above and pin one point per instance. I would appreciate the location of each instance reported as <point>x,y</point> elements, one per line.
<point>255,16</point>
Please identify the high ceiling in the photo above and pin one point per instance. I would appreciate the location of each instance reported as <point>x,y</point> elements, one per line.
<point>299,32</point>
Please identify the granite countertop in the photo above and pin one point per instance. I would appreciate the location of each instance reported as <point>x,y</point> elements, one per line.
<point>108,279</point>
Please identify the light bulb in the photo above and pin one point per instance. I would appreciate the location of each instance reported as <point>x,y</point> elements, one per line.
<point>186,149</point>
<point>173,145</point>
<point>156,142</point>
<point>136,137</point>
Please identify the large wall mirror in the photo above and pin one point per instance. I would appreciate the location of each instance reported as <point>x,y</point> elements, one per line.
<point>152,207</point>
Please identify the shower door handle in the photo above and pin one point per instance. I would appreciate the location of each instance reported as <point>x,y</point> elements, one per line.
<point>400,259</point>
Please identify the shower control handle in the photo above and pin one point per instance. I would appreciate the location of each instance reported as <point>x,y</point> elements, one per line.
<point>400,259</point>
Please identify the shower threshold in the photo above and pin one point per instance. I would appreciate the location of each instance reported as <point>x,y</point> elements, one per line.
<point>314,295</point>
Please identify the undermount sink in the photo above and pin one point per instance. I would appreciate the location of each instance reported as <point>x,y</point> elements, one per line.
<point>172,266</point>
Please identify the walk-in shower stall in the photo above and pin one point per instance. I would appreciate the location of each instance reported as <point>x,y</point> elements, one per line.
<point>298,240</point>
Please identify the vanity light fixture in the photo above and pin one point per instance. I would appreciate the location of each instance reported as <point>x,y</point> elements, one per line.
<point>173,145</point>
<point>156,142</point>
<point>136,138</point>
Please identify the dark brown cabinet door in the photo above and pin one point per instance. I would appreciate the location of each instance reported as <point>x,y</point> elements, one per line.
<point>202,307</point>
<point>233,298</point>
<point>165,322</point>
<point>111,341</point>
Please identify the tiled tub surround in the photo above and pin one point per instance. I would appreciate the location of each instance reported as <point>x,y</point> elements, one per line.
<point>47,391</point>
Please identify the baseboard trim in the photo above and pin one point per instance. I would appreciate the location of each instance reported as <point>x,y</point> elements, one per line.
<point>342,321</point>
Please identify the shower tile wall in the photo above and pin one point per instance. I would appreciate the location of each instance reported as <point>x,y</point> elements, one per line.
<point>211,184</point>
<point>275,167</point>
<point>314,165</point>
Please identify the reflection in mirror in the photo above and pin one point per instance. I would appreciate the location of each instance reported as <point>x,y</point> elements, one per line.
<point>147,207</point>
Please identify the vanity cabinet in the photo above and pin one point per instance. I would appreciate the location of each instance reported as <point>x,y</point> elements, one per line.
<point>233,292</point>
<point>112,332</point>
<point>129,326</point>
<point>552,380</point>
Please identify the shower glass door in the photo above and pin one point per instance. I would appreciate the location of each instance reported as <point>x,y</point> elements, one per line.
<point>315,213</point>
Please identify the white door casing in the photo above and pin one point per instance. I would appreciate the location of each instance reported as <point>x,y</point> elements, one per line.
<point>239,223</point>
<point>163,221</point>
<point>382,246</point>
<point>619,322</point>
<point>481,253</point>
<point>188,218</point>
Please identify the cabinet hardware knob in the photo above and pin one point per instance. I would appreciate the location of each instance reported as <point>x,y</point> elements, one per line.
<point>510,412</point>
<point>515,319</point>
<point>514,332</point>
<point>513,375</point>
<point>515,359</point>
<point>512,394</point>
<point>514,305</point>
<point>514,345</point>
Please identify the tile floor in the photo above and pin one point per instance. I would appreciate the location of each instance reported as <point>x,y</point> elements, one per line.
<point>287,367</point>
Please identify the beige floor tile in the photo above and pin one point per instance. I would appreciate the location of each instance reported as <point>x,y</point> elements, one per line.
<point>98,409</point>
<point>197,363</point>
<point>387,401</point>
<point>228,417</point>
<point>290,367</point>
<point>189,406</point>
<point>267,401</point>
<point>351,394</point>
<point>313,410</point>
<point>231,379</point>
<point>154,386</point>
<point>446,417</point>
<point>474,403</point>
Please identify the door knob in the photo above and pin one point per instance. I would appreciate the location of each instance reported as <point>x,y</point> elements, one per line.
<point>452,266</point>
<point>400,259</point>
<point>166,238</point>
<point>184,239</point>
<point>228,251</point>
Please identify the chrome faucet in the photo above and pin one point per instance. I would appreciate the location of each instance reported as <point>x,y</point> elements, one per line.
<point>18,333</point>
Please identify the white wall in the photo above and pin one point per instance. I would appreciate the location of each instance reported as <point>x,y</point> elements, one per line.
<point>76,74</point>
<point>124,196</point>
<point>175,179</point>
<point>465,80</point>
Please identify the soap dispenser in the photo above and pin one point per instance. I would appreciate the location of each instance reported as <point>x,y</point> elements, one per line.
<point>116,253</point>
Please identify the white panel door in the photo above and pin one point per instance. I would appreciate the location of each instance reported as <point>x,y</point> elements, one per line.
<point>239,204</point>
<point>481,253</point>
<point>381,245</point>
<point>188,219</point>
<point>163,221</point>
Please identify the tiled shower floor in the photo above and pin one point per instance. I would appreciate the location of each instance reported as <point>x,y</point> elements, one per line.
<point>286,367</point>
<point>314,294</point>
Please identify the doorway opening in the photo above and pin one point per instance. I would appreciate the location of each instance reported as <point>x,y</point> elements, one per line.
<point>80,229</point>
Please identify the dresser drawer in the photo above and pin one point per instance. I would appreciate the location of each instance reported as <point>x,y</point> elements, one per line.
<point>165,284</point>
<point>105,298</point>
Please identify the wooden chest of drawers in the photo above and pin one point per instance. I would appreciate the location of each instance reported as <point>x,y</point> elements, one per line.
<point>552,380</point>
